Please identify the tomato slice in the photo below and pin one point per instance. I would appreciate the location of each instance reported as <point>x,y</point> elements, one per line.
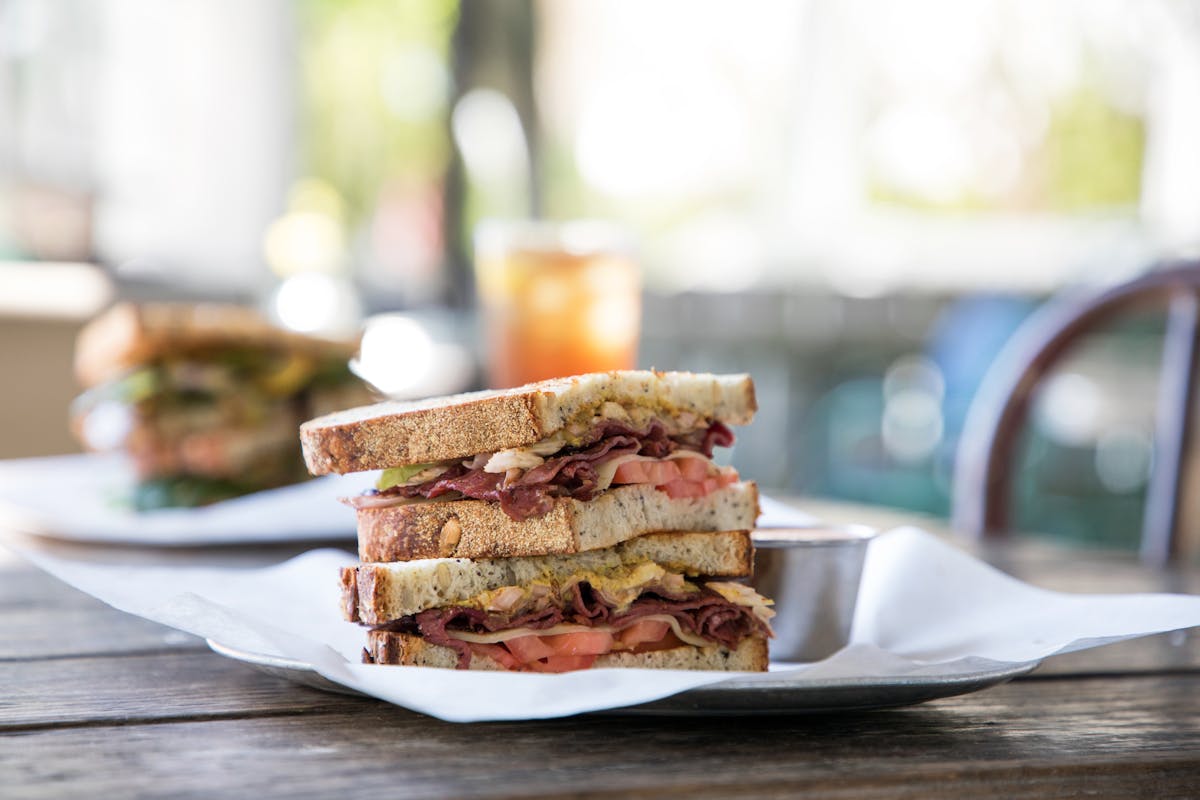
<point>678,477</point>
<point>681,488</point>
<point>669,641</point>
<point>692,469</point>
<point>655,472</point>
<point>580,643</point>
<point>528,648</point>
<point>563,663</point>
<point>642,631</point>
<point>497,653</point>
<point>661,472</point>
<point>631,472</point>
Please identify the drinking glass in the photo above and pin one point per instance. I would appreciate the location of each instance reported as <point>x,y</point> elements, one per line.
<point>557,299</point>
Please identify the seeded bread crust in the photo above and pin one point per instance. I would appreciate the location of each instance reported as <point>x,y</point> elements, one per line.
<point>377,593</point>
<point>480,529</point>
<point>128,335</point>
<point>384,647</point>
<point>394,434</point>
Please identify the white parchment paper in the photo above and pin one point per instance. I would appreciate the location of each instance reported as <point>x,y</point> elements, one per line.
<point>924,608</point>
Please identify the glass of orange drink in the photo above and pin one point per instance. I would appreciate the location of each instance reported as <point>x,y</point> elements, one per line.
<point>557,299</point>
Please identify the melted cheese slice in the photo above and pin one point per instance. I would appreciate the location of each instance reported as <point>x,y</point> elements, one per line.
<point>620,586</point>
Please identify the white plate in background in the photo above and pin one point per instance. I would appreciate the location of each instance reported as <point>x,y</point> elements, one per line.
<point>79,498</point>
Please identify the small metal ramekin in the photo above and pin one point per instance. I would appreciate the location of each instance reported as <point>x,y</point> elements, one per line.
<point>812,573</point>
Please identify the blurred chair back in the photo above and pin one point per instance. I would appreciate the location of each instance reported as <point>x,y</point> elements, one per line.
<point>986,458</point>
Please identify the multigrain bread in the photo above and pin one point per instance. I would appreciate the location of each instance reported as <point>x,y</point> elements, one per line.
<point>478,529</point>
<point>377,593</point>
<point>573,523</point>
<point>394,434</point>
<point>129,335</point>
<point>387,647</point>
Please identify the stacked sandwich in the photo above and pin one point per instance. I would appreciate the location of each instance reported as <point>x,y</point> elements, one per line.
<point>205,399</point>
<point>573,523</point>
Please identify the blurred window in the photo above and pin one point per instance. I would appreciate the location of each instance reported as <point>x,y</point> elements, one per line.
<point>375,88</point>
<point>878,146</point>
<point>862,145</point>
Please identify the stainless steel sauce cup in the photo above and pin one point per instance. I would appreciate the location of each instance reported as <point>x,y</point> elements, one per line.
<point>812,573</point>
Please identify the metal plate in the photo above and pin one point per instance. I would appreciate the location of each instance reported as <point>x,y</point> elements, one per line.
<point>800,695</point>
<point>789,693</point>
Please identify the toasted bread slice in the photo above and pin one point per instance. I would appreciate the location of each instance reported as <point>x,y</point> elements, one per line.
<point>378,593</point>
<point>480,529</point>
<point>394,434</point>
<point>385,647</point>
<point>128,335</point>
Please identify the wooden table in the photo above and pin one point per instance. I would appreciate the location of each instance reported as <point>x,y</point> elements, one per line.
<point>96,703</point>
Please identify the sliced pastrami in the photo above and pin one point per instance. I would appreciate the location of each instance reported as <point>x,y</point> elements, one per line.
<point>704,614</point>
<point>572,473</point>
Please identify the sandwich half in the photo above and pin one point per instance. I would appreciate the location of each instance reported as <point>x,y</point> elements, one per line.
<point>568,524</point>
<point>558,467</point>
<point>205,399</point>
<point>661,600</point>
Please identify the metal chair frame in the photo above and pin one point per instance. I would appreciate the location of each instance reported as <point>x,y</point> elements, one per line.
<point>986,451</point>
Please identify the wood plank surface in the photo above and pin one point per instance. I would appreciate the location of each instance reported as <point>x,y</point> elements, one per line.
<point>1138,735</point>
<point>145,688</point>
<point>97,703</point>
<point>24,587</point>
<point>43,618</point>
<point>37,635</point>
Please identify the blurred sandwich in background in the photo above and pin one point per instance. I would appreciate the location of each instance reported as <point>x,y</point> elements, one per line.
<point>205,398</point>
